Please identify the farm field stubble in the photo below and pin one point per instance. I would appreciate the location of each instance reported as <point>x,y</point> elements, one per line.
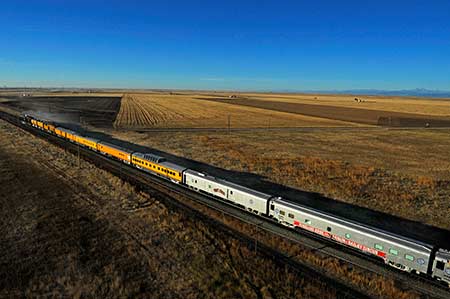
<point>425,106</point>
<point>177,111</point>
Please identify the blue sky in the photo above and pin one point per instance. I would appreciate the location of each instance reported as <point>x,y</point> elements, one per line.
<point>246,45</point>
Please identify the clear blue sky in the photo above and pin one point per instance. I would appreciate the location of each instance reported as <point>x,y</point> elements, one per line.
<point>247,45</point>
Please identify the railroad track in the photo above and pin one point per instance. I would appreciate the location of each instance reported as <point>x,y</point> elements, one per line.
<point>166,191</point>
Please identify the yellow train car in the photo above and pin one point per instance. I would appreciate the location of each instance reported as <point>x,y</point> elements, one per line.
<point>66,133</point>
<point>115,151</point>
<point>34,122</point>
<point>88,142</point>
<point>40,124</point>
<point>49,127</point>
<point>158,165</point>
<point>60,133</point>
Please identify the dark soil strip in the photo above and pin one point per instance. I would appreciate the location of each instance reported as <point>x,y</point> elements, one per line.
<point>363,116</point>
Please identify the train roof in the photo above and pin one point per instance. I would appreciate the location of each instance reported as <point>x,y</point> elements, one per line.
<point>150,157</point>
<point>230,184</point>
<point>119,148</point>
<point>173,166</point>
<point>415,244</point>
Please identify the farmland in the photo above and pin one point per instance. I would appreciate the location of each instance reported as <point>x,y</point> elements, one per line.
<point>399,172</point>
<point>177,111</point>
<point>436,107</point>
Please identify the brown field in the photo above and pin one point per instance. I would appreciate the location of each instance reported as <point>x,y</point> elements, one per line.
<point>400,172</point>
<point>350,114</point>
<point>425,106</point>
<point>181,111</point>
<point>67,234</point>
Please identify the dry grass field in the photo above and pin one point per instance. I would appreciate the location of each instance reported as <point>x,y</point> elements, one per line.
<point>86,217</point>
<point>400,172</point>
<point>180,111</point>
<point>437,107</point>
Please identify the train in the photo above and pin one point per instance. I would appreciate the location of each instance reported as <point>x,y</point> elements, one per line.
<point>395,250</point>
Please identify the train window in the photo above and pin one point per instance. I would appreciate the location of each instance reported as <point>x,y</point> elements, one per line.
<point>196,181</point>
<point>231,192</point>
<point>378,246</point>
<point>272,207</point>
<point>348,236</point>
<point>409,257</point>
<point>421,261</point>
<point>393,251</point>
<point>291,215</point>
<point>209,186</point>
<point>308,221</point>
<point>282,213</point>
<point>440,265</point>
<point>329,229</point>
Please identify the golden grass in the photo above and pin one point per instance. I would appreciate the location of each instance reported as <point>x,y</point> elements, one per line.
<point>148,110</point>
<point>367,168</point>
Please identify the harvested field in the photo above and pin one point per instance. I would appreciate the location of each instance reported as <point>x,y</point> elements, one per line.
<point>423,106</point>
<point>143,111</point>
<point>349,114</point>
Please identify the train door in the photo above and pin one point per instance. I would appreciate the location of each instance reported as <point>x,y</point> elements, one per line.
<point>441,266</point>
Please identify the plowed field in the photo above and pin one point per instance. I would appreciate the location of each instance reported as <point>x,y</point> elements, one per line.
<point>148,110</point>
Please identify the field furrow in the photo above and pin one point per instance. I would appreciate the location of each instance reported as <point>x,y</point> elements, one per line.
<point>178,111</point>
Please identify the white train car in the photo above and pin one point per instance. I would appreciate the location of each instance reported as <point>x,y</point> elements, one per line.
<point>251,200</point>
<point>397,251</point>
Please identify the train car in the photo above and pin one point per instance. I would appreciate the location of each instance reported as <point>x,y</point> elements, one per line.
<point>49,127</point>
<point>40,124</point>
<point>59,132</point>
<point>158,165</point>
<point>441,266</point>
<point>34,122</point>
<point>251,200</point>
<point>397,251</point>
<point>66,133</point>
<point>87,142</point>
<point>115,151</point>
